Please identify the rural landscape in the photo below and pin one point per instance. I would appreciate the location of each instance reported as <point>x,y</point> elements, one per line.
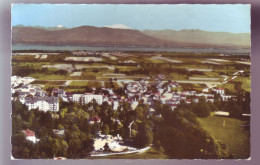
<point>113,92</point>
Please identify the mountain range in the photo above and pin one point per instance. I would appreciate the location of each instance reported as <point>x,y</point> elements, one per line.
<point>107,36</point>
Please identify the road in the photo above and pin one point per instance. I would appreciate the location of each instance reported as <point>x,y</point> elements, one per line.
<point>122,153</point>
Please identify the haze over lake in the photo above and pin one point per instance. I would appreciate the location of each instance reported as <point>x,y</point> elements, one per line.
<point>119,48</point>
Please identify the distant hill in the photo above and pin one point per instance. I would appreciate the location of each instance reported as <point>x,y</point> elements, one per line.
<point>202,37</point>
<point>86,35</point>
<point>95,36</point>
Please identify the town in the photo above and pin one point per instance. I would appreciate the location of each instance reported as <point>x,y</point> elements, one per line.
<point>34,97</point>
<point>112,101</point>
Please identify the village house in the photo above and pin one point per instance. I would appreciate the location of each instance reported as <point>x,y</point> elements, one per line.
<point>58,92</point>
<point>219,90</point>
<point>30,135</point>
<point>94,119</point>
<point>59,132</point>
<point>227,97</point>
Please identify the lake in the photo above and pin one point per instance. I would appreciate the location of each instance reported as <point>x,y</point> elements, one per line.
<point>120,48</point>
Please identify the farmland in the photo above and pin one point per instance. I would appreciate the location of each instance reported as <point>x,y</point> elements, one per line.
<point>189,68</point>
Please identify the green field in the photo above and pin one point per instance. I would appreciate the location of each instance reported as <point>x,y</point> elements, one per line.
<point>48,82</point>
<point>150,154</point>
<point>79,83</point>
<point>94,84</point>
<point>233,134</point>
<point>239,83</point>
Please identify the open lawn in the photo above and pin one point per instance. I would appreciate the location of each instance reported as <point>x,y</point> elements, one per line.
<point>234,134</point>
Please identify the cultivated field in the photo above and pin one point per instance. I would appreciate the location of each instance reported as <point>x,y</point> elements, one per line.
<point>193,69</point>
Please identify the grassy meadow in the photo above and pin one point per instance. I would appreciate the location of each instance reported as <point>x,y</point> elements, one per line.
<point>234,134</point>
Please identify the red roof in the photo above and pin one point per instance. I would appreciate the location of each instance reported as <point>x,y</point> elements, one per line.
<point>68,93</point>
<point>95,118</point>
<point>28,132</point>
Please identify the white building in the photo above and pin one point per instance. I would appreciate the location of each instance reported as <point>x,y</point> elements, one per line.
<point>134,104</point>
<point>219,91</point>
<point>30,135</point>
<point>115,105</point>
<point>42,103</point>
<point>89,97</point>
<point>227,97</point>
<point>77,98</point>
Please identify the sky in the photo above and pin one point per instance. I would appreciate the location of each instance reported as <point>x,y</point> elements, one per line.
<point>218,18</point>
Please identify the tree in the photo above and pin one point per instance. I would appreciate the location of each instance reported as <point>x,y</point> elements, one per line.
<point>116,70</point>
<point>105,129</point>
<point>202,109</point>
<point>107,148</point>
<point>63,112</point>
<point>80,148</point>
<point>31,117</point>
<point>234,109</point>
<point>60,147</point>
<point>60,127</point>
<point>46,145</point>
<point>144,136</point>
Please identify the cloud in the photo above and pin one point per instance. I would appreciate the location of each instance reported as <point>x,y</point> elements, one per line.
<point>118,26</point>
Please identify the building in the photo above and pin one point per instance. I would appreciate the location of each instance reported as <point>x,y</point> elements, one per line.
<point>219,91</point>
<point>30,135</point>
<point>88,97</point>
<point>42,103</point>
<point>94,119</point>
<point>227,97</point>
<point>59,132</point>
<point>77,98</point>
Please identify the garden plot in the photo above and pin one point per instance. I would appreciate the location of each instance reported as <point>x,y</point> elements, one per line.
<point>120,84</point>
<point>67,67</point>
<point>86,59</point>
<point>159,57</point>
<point>109,56</point>
<point>35,54</point>
<point>76,74</point>
<point>218,60</point>
<point>204,78</point>
<point>113,74</point>
<point>44,56</point>
<point>210,62</point>
<point>244,62</point>
<point>79,83</point>
<point>68,82</point>
<point>200,69</point>
<point>208,83</point>
<point>94,67</point>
